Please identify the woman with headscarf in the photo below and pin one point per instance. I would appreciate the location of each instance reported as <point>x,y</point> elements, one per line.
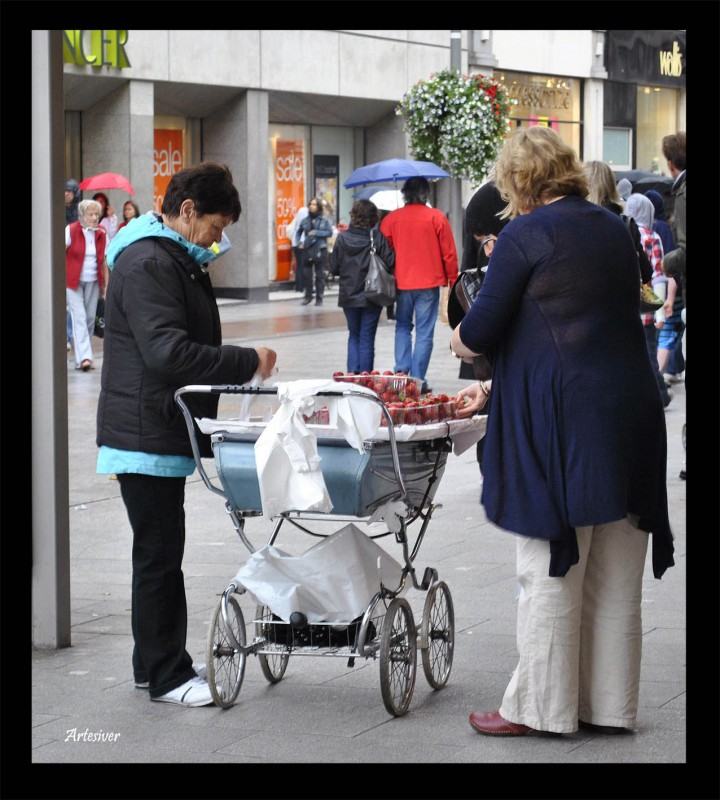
<point>482,227</point>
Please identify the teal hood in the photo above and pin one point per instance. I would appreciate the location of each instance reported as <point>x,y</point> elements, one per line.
<point>150,226</point>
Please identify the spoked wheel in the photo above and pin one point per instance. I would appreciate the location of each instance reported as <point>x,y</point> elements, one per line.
<point>225,654</point>
<point>437,639</point>
<point>273,666</point>
<point>398,657</point>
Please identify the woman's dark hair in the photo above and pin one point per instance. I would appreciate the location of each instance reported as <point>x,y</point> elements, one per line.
<point>134,205</point>
<point>364,214</point>
<point>209,185</point>
<point>102,198</point>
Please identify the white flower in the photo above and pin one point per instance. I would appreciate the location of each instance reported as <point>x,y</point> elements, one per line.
<point>457,121</point>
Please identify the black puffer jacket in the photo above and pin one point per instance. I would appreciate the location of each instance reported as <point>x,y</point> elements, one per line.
<point>162,331</point>
<point>350,259</point>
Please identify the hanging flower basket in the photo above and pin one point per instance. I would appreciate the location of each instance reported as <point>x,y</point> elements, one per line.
<point>457,121</point>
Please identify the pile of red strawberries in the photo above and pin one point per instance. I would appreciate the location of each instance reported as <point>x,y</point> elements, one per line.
<point>401,394</point>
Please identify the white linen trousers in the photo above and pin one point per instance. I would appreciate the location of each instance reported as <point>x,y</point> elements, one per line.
<point>579,636</point>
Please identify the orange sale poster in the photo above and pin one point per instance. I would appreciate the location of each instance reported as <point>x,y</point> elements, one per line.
<point>290,196</point>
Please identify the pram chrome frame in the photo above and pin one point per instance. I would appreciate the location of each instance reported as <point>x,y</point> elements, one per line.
<point>386,630</point>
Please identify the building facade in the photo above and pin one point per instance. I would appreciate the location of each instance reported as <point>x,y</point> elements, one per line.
<point>294,112</point>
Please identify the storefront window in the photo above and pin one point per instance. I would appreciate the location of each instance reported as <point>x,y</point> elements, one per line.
<point>657,113</point>
<point>617,147</point>
<point>546,100</point>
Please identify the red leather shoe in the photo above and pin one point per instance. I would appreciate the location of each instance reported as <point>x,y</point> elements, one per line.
<point>492,724</point>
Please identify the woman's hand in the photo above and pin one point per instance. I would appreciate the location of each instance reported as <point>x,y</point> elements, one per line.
<point>476,396</point>
<point>266,361</point>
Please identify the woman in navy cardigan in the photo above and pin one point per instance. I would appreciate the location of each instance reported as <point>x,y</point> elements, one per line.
<point>576,451</point>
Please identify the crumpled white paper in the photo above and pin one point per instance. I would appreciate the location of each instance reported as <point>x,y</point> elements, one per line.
<point>333,581</point>
<point>289,470</point>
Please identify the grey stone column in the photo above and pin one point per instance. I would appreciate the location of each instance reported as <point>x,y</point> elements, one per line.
<point>238,136</point>
<point>118,136</point>
<point>48,443</point>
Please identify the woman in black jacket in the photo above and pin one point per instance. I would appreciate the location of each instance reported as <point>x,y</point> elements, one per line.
<point>162,331</point>
<point>350,260</point>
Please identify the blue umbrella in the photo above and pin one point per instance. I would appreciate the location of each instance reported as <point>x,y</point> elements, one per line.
<point>394,170</point>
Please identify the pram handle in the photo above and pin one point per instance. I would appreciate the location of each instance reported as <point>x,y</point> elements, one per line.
<point>223,388</point>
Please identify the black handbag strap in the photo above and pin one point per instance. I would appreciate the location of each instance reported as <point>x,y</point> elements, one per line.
<point>372,242</point>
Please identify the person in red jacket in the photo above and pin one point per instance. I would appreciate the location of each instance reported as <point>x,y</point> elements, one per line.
<point>425,259</point>
<point>84,277</point>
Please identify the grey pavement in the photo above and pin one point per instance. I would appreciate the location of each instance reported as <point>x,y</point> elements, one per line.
<point>323,711</point>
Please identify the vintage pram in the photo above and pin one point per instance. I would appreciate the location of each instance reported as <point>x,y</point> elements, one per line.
<point>387,487</point>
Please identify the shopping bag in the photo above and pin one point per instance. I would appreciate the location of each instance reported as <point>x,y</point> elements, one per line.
<point>99,329</point>
<point>380,282</point>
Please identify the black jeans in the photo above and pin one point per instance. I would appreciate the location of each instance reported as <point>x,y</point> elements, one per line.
<point>155,508</point>
<point>318,265</point>
<point>299,253</point>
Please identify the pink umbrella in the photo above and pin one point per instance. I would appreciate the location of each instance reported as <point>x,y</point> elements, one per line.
<point>107,180</point>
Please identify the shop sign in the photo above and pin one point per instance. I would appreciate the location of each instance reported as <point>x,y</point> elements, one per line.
<point>167,160</point>
<point>549,98</point>
<point>289,194</point>
<point>651,57</point>
<point>96,48</point>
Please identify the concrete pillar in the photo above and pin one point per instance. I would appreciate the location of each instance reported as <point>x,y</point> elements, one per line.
<point>118,136</point>
<point>238,136</point>
<point>593,118</point>
<point>48,398</point>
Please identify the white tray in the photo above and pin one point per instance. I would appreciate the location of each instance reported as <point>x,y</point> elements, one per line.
<point>467,431</point>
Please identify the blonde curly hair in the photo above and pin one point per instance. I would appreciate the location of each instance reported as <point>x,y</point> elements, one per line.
<point>534,166</point>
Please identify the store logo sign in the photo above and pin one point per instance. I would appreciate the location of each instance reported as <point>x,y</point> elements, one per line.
<point>96,48</point>
<point>671,61</point>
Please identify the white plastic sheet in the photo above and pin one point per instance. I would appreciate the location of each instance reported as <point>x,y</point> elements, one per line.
<point>289,469</point>
<point>331,582</point>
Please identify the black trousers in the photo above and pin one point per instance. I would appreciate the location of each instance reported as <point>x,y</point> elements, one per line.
<point>318,265</point>
<point>299,253</point>
<point>155,508</point>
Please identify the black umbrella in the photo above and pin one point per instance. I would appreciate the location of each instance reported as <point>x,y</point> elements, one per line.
<point>660,183</point>
<point>634,174</point>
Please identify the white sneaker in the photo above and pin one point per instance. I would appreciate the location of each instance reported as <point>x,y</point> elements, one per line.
<point>192,693</point>
<point>200,669</point>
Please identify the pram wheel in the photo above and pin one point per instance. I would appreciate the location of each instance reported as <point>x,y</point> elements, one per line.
<point>273,665</point>
<point>437,636</point>
<point>398,657</point>
<point>226,655</point>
